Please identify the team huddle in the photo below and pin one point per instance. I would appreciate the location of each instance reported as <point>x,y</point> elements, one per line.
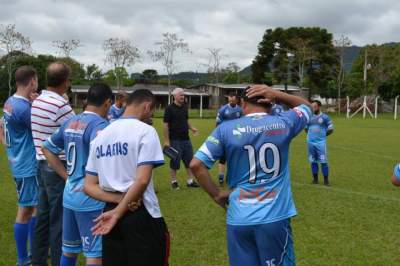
<point>84,181</point>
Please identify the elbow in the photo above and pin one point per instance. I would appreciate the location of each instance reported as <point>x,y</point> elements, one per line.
<point>395,181</point>
<point>87,189</point>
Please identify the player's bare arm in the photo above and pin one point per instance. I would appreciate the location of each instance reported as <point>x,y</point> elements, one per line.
<point>108,220</point>
<point>55,163</point>
<point>203,177</point>
<point>166,135</point>
<point>194,130</point>
<point>2,137</point>
<point>93,189</point>
<point>270,95</point>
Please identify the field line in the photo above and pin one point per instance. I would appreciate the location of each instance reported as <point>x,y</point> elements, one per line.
<point>347,191</point>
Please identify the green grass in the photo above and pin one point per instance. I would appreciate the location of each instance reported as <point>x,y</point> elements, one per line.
<point>355,222</point>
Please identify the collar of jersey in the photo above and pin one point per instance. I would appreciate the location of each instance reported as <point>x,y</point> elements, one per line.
<point>52,93</point>
<point>128,117</point>
<point>20,97</point>
<point>89,112</point>
<point>254,114</point>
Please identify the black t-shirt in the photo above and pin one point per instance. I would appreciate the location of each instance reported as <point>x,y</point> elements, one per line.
<point>177,119</point>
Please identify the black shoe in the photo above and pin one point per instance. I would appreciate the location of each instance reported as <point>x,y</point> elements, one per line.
<point>193,184</point>
<point>326,183</point>
<point>315,182</point>
<point>221,181</point>
<point>175,185</point>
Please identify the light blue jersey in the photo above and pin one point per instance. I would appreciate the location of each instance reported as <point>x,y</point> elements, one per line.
<point>257,151</point>
<point>74,136</point>
<point>277,109</point>
<point>396,171</point>
<point>114,112</point>
<point>17,132</point>
<point>318,128</point>
<point>227,112</point>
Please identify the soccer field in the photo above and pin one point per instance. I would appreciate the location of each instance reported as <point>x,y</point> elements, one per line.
<point>353,222</point>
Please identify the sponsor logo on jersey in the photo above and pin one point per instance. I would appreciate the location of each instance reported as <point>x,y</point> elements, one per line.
<point>213,140</point>
<point>239,130</point>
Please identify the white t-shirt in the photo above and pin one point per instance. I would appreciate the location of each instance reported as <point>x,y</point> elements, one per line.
<point>116,153</point>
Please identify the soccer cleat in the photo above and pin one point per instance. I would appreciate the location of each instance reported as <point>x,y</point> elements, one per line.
<point>315,182</point>
<point>326,182</point>
<point>175,185</point>
<point>221,181</point>
<point>192,184</point>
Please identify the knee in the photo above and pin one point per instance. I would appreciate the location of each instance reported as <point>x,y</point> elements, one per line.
<point>24,214</point>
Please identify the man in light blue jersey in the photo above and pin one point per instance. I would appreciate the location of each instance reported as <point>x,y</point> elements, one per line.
<point>75,136</point>
<point>18,139</point>
<point>256,147</point>
<point>228,112</point>
<point>319,127</point>
<point>117,109</point>
<point>396,176</point>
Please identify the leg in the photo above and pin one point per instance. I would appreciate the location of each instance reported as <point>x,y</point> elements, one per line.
<point>242,248</point>
<point>323,159</point>
<point>40,242</point>
<point>314,170</point>
<point>92,247</point>
<point>313,161</point>
<point>113,252</point>
<point>187,156</point>
<point>275,243</point>
<point>71,240</point>
<point>175,164</point>
<point>55,188</point>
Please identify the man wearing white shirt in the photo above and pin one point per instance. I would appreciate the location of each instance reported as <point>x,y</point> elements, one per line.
<point>123,163</point>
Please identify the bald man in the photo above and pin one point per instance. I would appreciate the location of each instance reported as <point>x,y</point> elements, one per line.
<point>176,135</point>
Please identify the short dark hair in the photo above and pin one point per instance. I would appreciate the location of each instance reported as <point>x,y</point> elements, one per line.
<point>317,102</point>
<point>254,100</point>
<point>99,93</point>
<point>139,96</point>
<point>120,95</point>
<point>24,74</point>
<point>57,73</point>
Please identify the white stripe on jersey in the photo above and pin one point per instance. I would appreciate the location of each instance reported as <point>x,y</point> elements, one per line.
<point>49,111</point>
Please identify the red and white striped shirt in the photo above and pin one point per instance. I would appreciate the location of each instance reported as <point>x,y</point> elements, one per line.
<point>49,111</point>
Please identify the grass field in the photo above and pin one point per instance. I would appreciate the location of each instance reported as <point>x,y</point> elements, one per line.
<point>354,222</point>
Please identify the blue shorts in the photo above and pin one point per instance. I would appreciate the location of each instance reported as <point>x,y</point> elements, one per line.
<point>77,235</point>
<point>27,191</point>
<point>265,244</point>
<point>317,153</point>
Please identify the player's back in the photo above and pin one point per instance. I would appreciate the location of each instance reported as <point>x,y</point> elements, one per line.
<point>18,136</point>
<point>256,148</point>
<point>78,133</point>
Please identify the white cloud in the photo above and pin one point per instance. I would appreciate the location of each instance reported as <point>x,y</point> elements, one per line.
<point>235,25</point>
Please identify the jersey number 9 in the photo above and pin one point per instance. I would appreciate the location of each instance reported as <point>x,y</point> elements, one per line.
<point>71,158</point>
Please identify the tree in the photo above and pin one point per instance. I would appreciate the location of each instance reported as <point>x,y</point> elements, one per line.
<point>66,47</point>
<point>303,53</point>
<point>341,44</point>
<point>93,72</point>
<point>167,49</point>
<point>232,74</point>
<point>12,41</point>
<point>150,75</point>
<point>120,53</point>
<point>214,62</point>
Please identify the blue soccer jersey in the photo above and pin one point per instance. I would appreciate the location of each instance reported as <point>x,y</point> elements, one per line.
<point>318,128</point>
<point>114,112</point>
<point>256,148</point>
<point>17,132</point>
<point>74,136</point>
<point>227,112</point>
<point>396,171</point>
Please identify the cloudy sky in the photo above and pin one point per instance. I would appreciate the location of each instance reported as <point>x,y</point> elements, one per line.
<point>236,26</point>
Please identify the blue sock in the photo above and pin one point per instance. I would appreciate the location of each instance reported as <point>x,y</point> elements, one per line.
<point>314,168</point>
<point>325,169</point>
<point>21,239</point>
<point>32,224</point>
<point>68,261</point>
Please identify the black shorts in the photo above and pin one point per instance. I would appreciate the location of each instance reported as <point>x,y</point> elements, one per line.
<point>185,149</point>
<point>137,239</point>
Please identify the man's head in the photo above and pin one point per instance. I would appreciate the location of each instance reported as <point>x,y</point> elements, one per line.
<point>141,102</point>
<point>233,99</point>
<point>120,99</point>
<point>58,75</point>
<point>179,96</point>
<point>316,106</point>
<point>26,78</point>
<point>99,98</point>
<point>251,105</point>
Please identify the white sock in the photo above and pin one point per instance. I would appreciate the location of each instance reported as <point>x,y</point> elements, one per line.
<point>190,181</point>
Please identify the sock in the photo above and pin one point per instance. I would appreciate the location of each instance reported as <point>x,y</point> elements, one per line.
<point>32,224</point>
<point>221,176</point>
<point>21,239</point>
<point>68,261</point>
<point>314,169</point>
<point>190,181</point>
<point>325,170</point>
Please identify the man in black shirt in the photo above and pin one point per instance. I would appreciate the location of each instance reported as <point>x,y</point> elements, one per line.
<point>176,135</point>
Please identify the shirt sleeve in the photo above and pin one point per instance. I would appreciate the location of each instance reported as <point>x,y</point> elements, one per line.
<point>167,115</point>
<point>329,124</point>
<point>212,149</point>
<point>297,118</point>
<point>150,152</point>
<point>55,143</point>
<point>64,113</point>
<point>220,116</point>
<point>91,162</point>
